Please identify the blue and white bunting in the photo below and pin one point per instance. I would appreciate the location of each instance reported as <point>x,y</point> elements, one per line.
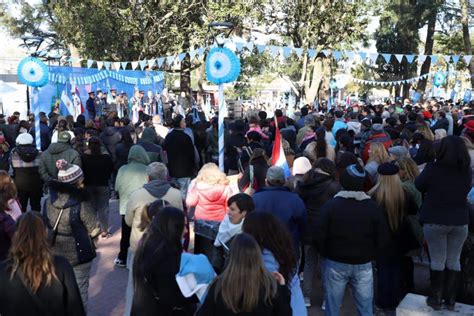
<point>410,58</point>
<point>337,54</point>
<point>299,51</point>
<point>134,65</point>
<point>160,61</point>
<point>89,63</point>
<point>467,59</point>
<point>387,58</point>
<point>181,57</point>
<point>261,48</point>
<point>107,65</point>
<point>274,50</point>
<point>100,64</point>
<point>399,57</point>
<point>170,60</point>
<point>124,64</point>
<point>311,53</point>
<point>142,64</point>
<point>287,51</point>
<point>239,46</point>
<point>456,59</point>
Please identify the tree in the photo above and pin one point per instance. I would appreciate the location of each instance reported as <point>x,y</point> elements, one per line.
<point>319,24</point>
<point>466,36</point>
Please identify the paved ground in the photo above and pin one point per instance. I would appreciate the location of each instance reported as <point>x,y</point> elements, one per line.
<point>108,283</point>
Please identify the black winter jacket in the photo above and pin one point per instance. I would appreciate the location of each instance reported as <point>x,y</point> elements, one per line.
<point>315,190</point>
<point>351,230</point>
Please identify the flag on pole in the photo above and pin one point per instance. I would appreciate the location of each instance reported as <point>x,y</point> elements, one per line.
<point>80,100</point>
<point>278,154</point>
<point>67,102</point>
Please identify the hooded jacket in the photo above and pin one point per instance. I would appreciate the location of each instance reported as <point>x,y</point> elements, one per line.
<point>131,176</point>
<point>56,151</point>
<point>111,137</point>
<point>25,161</point>
<point>316,190</point>
<point>141,198</point>
<point>210,200</point>
<point>148,142</point>
<point>65,196</point>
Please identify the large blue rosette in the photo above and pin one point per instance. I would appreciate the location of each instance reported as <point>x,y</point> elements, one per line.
<point>222,65</point>
<point>439,79</point>
<point>33,72</point>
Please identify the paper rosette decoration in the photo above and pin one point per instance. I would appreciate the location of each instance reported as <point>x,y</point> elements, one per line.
<point>33,72</point>
<point>439,79</point>
<point>222,65</point>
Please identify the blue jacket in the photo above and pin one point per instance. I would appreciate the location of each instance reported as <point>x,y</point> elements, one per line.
<point>297,300</point>
<point>338,124</point>
<point>285,205</point>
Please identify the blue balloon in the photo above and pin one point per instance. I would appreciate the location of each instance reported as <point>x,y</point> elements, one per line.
<point>222,65</point>
<point>33,72</point>
<point>439,79</point>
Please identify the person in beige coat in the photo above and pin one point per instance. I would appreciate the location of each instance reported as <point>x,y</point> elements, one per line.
<point>157,187</point>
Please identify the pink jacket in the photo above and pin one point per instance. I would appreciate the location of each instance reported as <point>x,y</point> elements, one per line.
<point>256,128</point>
<point>210,200</point>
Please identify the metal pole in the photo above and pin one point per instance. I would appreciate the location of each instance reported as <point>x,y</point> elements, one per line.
<point>28,104</point>
<point>221,126</point>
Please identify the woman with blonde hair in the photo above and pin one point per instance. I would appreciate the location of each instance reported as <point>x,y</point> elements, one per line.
<point>32,280</point>
<point>389,194</point>
<point>246,286</point>
<point>377,156</point>
<point>208,193</point>
<point>408,173</point>
<point>426,132</point>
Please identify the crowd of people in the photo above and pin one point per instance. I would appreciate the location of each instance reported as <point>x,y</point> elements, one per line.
<point>371,187</point>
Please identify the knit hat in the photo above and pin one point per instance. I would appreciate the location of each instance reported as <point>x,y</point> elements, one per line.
<point>469,125</point>
<point>377,127</point>
<point>353,178</point>
<point>427,115</point>
<point>301,165</point>
<point>398,151</point>
<point>64,137</point>
<point>388,169</point>
<point>275,174</point>
<point>68,173</point>
<point>309,120</point>
<point>24,139</point>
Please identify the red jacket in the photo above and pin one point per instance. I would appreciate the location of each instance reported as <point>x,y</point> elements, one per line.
<point>210,200</point>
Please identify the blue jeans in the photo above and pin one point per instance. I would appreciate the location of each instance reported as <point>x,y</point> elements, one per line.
<point>445,245</point>
<point>360,276</point>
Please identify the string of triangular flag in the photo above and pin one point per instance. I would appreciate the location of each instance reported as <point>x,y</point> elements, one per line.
<point>276,51</point>
<point>105,74</point>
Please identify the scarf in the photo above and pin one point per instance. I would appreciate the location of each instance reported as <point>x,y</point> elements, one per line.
<point>227,230</point>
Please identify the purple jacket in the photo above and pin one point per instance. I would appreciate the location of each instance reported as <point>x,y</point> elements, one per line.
<point>7,229</point>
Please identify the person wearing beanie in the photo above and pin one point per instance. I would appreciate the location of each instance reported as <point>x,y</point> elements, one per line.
<point>349,252</point>
<point>394,280</point>
<point>69,205</point>
<point>56,151</point>
<point>301,165</point>
<point>277,199</point>
<point>397,152</point>
<point>376,134</point>
<point>25,161</point>
<point>317,186</point>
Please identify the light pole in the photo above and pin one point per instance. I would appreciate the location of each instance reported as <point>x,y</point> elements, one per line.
<point>219,32</point>
<point>31,42</point>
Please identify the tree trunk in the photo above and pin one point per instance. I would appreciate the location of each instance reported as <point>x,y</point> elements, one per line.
<point>185,75</point>
<point>311,88</point>
<point>200,72</point>
<point>75,55</point>
<point>465,35</point>
<point>425,68</point>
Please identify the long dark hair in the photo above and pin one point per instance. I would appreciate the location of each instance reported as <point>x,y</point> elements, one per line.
<point>30,253</point>
<point>245,281</point>
<point>321,145</point>
<point>453,153</point>
<point>163,238</point>
<point>273,235</point>
<point>126,137</point>
<point>95,145</point>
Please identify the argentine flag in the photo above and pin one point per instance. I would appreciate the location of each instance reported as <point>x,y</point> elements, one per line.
<point>278,154</point>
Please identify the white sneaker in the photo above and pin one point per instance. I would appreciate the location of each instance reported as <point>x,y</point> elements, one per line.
<point>307,301</point>
<point>323,306</point>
